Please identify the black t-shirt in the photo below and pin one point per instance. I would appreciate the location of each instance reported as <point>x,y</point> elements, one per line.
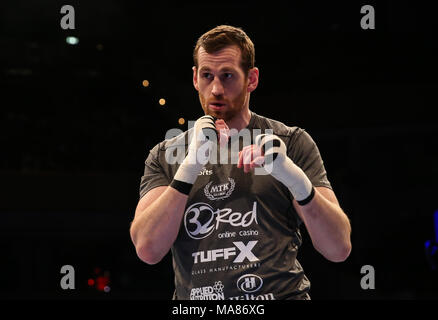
<point>240,234</point>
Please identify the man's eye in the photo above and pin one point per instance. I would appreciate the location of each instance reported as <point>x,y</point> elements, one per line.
<point>228,75</point>
<point>207,75</point>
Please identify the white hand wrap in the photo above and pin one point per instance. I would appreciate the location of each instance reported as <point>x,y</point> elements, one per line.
<point>282,168</point>
<point>204,136</point>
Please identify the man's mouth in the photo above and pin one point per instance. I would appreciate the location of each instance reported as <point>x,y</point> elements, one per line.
<point>216,105</point>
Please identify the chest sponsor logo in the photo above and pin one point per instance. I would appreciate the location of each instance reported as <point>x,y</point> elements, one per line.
<point>215,292</point>
<point>242,233</point>
<point>200,219</point>
<point>219,191</point>
<point>249,283</point>
<point>245,252</point>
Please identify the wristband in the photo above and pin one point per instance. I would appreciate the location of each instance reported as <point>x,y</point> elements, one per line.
<point>181,186</point>
<point>308,199</point>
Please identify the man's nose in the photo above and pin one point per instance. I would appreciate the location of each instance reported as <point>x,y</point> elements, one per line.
<point>218,88</point>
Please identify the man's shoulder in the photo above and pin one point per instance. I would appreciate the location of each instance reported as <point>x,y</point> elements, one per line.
<point>279,128</point>
<point>174,141</point>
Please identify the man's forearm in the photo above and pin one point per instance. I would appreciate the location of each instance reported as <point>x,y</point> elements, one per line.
<point>328,227</point>
<point>156,227</point>
<point>325,221</point>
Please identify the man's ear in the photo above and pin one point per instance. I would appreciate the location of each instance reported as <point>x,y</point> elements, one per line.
<point>195,78</point>
<point>253,79</point>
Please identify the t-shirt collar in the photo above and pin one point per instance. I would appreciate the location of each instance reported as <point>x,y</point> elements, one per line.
<point>251,120</point>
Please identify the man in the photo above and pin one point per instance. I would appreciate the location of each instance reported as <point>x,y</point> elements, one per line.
<point>233,232</point>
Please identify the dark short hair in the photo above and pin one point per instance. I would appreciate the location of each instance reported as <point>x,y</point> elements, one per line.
<point>223,36</point>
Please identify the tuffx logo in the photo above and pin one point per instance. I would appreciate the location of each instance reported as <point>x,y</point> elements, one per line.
<point>200,219</point>
<point>249,283</point>
<point>245,252</point>
<point>219,191</point>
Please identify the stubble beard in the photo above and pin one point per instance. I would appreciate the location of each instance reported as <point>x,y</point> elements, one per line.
<point>233,109</point>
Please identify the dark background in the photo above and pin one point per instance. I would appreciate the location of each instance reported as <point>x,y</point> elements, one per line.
<point>77,124</point>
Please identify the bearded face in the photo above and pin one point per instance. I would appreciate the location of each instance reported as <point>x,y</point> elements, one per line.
<point>221,83</point>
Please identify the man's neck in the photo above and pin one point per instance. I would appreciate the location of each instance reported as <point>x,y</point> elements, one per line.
<point>240,121</point>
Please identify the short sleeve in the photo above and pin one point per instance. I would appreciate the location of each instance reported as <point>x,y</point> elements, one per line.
<point>304,153</point>
<point>154,174</point>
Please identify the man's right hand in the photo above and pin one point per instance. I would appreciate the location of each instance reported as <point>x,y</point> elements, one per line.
<point>204,137</point>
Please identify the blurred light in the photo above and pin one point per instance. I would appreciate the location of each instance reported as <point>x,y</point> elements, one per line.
<point>72,40</point>
<point>90,282</point>
<point>102,282</point>
<point>181,121</point>
<point>431,246</point>
<point>162,101</point>
<point>99,46</point>
<point>145,83</point>
<point>431,254</point>
<point>107,289</point>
